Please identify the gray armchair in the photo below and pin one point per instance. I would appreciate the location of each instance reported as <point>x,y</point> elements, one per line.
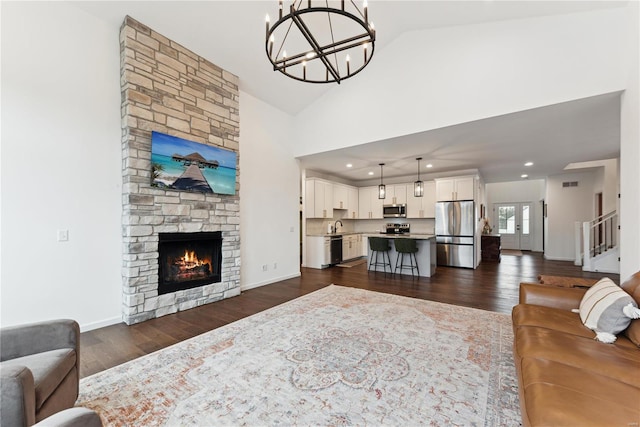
<point>39,371</point>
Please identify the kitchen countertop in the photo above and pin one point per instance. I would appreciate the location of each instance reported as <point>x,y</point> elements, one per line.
<point>340,233</point>
<point>419,236</point>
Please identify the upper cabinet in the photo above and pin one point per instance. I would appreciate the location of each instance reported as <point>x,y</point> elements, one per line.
<point>352,202</point>
<point>458,188</point>
<point>340,196</point>
<point>369,206</point>
<point>396,194</point>
<point>425,206</point>
<point>318,198</point>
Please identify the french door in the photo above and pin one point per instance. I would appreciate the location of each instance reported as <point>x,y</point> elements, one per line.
<point>513,221</point>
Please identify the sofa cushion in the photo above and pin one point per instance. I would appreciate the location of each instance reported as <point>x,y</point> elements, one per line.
<point>556,394</point>
<point>48,368</point>
<point>633,332</point>
<point>615,361</point>
<point>601,308</point>
<point>550,318</point>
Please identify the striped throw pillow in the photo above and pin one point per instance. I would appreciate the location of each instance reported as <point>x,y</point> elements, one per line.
<point>601,309</point>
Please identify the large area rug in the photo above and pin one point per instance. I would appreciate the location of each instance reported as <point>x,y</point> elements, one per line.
<point>337,356</point>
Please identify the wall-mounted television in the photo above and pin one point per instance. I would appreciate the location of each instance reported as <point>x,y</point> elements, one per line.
<point>180,164</point>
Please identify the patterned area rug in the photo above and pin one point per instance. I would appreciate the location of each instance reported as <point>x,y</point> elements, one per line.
<point>338,356</point>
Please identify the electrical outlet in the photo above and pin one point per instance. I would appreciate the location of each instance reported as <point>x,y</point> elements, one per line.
<point>275,265</point>
<point>291,229</point>
<point>265,267</point>
<point>63,235</point>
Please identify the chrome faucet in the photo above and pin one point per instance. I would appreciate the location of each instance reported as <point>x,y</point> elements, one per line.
<point>335,226</point>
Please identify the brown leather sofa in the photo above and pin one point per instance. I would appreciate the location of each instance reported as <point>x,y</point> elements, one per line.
<point>565,376</point>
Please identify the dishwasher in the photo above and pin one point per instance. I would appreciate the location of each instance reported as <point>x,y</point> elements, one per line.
<point>336,250</point>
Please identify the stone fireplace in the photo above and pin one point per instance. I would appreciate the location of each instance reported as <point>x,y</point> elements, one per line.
<point>169,89</point>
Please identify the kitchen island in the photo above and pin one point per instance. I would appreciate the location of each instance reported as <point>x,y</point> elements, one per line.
<point>426,255</point>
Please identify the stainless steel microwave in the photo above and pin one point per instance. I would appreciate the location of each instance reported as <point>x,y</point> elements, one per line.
<point>394,211</point>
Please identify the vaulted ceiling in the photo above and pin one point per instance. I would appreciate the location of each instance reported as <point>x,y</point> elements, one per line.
<point>231,34</point>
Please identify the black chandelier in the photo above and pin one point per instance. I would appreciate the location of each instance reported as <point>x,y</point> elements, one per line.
<point>325,43</point>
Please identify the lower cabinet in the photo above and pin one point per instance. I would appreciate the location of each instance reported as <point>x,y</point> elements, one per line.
<point>318,252</point>
<point>351,246</point>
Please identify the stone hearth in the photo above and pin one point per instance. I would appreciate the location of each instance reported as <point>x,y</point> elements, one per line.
<point>167,88</point>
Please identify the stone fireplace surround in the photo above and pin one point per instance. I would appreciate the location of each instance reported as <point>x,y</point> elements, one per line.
<point>167,88</point>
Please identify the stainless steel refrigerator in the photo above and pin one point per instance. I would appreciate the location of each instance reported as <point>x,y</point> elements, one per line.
<point>455,229</point>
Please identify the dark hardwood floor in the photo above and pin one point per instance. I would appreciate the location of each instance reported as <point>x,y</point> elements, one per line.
<point>493,286</point>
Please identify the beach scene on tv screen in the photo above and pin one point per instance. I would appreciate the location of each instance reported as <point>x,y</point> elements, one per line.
<point>181,164</point>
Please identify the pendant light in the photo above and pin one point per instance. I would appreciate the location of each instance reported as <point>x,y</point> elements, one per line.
<point>382,191</point>
<point>418,186</point>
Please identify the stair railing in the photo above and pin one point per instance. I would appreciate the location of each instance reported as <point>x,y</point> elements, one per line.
<point>599,235</point>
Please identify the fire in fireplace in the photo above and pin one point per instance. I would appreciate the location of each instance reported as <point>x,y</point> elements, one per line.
<point>188,260</point>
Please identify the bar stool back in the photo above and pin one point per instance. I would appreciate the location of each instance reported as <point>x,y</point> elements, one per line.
<point>410,247</point>
<point>379,245</point>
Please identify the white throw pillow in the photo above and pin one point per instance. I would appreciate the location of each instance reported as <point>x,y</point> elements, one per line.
<point>603,310</point>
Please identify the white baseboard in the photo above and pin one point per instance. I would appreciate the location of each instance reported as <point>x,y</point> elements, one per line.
<point>572,259</point>
<point>101,324</point>
<point>248,286</point>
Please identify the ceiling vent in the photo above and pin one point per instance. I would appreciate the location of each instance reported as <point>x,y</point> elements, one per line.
<point>570,184</point>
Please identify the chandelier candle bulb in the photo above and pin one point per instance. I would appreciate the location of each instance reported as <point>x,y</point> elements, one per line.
<point>280,10</point>
<point>365,52</point>
<point>366,11</point>
<point>348,68</point>
<point>267,23</point>
<point>304,70</point>
<point>271,40</point>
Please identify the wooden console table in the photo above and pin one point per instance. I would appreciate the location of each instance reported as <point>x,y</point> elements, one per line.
<point>490,247</point>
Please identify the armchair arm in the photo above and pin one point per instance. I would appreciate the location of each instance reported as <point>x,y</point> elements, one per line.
<point>23,340</point>
<point>551,296</point>
<point>73,417</point>
<point>18,396</point>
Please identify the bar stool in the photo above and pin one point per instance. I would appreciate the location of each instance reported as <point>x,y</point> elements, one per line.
<point>377,245</point>
<point>410,247</point>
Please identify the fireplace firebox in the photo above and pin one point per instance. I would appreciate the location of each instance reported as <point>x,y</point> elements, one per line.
<point>188,260</point>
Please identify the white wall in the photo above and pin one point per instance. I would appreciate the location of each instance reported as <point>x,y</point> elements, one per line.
<point>434,78</point>
<point>565,206</point>
<point>60,165</point>
<point>269,195</point>
<point>519,192</point>
<point>630,152</point>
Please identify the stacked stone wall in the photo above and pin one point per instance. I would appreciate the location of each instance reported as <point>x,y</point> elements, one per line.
<point>169,89</point>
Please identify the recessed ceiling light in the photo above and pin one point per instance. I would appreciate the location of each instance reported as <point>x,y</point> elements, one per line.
<point>349,165</point>
<point>529,164</point>
<point>524,175</point>
<point>370,173</point>
<point>429,165</point>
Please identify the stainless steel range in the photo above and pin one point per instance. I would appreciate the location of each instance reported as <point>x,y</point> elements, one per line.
<point>392,228</point>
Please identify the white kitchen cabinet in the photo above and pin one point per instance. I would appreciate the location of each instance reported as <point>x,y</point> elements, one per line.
<point>458,188</point>
<point>396,194</point>
<point>318,199</point>
<point>352,202</point>
<point>350,249</point>
<point>425,206</point>
<point>369,206</point>
<point>340,196</point>
<point>318,252</point>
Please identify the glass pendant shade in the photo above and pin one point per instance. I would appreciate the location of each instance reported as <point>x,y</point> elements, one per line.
<point>418,186</point>
<point>382,190</point>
